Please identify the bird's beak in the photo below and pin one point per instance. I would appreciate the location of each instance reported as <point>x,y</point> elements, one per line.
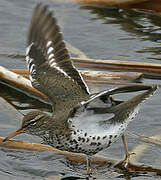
<point>18,131</point>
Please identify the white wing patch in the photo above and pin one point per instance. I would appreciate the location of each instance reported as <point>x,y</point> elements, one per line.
<point>31,66</point>
<point>52,61</point>
<point>83,80</point>
<point>53,64</point>
<point>28,49</point>
<point>48,44</point>
<point>50,50</point>
<point>51,56</point>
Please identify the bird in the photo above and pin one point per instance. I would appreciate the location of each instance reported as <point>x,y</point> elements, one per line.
<point>81,122</point>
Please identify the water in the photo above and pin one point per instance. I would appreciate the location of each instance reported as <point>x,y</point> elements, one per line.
<point>104,33</point>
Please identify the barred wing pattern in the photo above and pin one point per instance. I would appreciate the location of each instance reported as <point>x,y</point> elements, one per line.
<point>49,64</point>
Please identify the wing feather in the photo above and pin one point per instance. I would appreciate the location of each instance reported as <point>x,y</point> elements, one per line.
<point>48,59</point>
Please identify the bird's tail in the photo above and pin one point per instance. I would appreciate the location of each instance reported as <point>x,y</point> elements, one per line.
<point>128,109</point>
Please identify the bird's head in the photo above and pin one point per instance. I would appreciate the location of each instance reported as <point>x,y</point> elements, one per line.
<point>32,123</point>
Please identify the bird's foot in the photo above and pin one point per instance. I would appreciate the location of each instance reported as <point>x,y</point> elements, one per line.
<point>90,177</point>
<point>125,162</point>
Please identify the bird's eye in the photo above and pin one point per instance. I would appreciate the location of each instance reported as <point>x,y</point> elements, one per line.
<point>32,122</point>
<point>36,119</point>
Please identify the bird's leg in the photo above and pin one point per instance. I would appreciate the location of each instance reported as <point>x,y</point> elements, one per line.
<point>88,166</point>
<point>125,162</point>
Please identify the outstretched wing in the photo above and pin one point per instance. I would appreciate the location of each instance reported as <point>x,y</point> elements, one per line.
<point>102,107</point>
<point>51,70</point>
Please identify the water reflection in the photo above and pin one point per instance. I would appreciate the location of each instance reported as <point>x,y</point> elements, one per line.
<point>143,25</point>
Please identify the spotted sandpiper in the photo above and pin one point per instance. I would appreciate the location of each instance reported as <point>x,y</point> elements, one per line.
<point>81,122</point>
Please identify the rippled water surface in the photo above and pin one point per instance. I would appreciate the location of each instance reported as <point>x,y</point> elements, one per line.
<point>101,33</point>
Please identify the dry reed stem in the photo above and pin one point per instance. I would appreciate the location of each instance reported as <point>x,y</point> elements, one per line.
<point>100,76</point>
<point>147,68</point>
<point>20,82</point>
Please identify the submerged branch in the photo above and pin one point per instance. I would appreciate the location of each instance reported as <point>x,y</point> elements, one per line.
<point>145,138</point>
<point>75,157</point>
